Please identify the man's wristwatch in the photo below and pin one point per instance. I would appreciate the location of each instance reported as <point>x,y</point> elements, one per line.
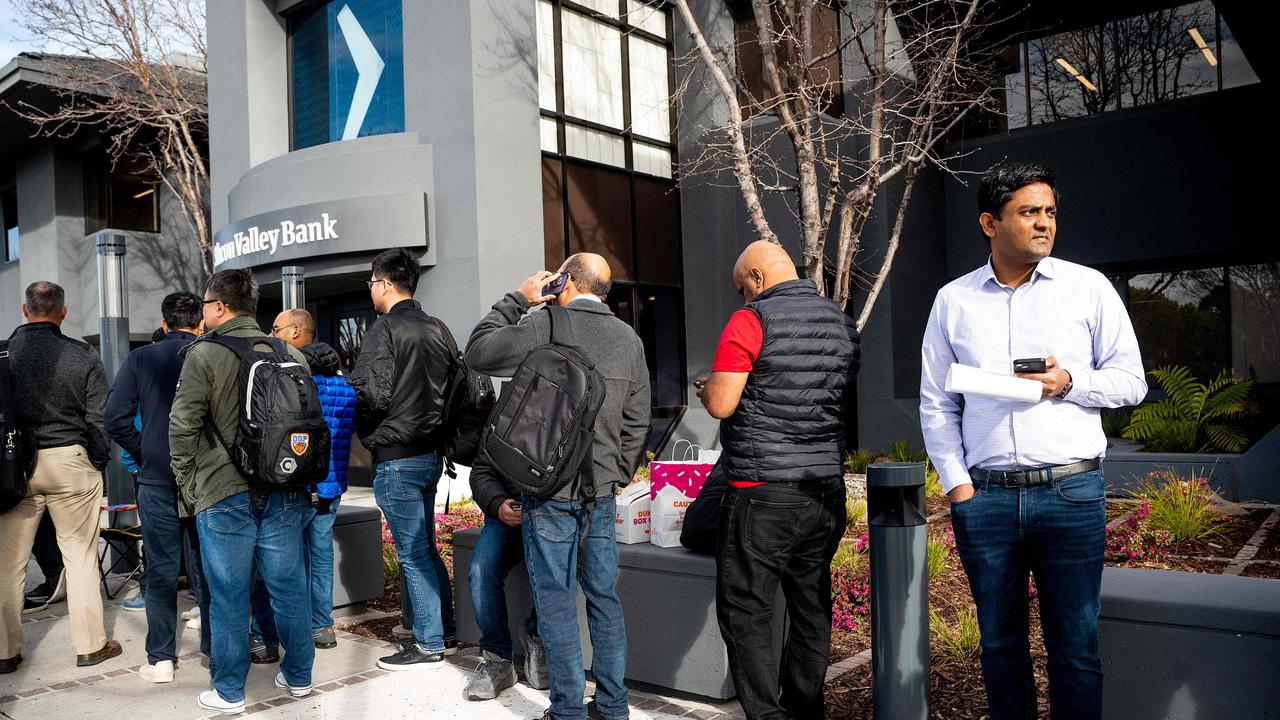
<point>1066,388</point>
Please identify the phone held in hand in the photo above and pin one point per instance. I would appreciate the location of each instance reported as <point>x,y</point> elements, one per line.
<point>556,284</point>
<point>1029,365</point>
<point>515,505</point>
<point>699,384</point>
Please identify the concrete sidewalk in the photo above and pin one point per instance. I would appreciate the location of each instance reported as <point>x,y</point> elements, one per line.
<point>348,685</point>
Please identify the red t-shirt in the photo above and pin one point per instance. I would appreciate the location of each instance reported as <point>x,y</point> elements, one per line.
<point>737,352</point>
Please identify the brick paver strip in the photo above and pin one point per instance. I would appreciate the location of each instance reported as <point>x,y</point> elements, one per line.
<point>96,678</point>
<point>375,673</point>
<point>329,687</point>
<point>33,693</point>
<point>64,685</point>
<point>8,699</point>
<point>190,656</point>
<point>117,672</point>
<point>256,707</point>
<point>1251,548</point>
<point>282,700</point>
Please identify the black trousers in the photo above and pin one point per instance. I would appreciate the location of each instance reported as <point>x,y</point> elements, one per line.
<point>778,535</point>
<point>47,553</point>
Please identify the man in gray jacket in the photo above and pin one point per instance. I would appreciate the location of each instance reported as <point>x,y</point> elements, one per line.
<point>553,527</point>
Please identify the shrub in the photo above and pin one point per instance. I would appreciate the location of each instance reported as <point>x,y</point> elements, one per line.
<point>851,598</point>
<point>932,481</point>
<point>901,451</point>
<point>855,511</point>
<point>390,561</point>
<point>1115,420</point>
<point>1195,417</point>
<point>941,547</point>
<point>1134,540</point>
<point>1186,509</point>
<point>961,638</point>
<point>856,462</point>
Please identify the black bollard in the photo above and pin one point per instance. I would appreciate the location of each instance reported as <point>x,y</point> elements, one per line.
<point>899,591</point>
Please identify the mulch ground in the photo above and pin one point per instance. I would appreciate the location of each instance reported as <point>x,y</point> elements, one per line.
<point>1262,570</point>
<point>1270,549</point>
<point>1234,536</point>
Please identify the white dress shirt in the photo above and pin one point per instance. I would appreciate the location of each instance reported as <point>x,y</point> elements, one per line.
<point>1065,310</point>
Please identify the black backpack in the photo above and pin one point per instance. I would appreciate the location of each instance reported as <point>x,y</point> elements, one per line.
<point>468,400</point>
<point>17,449</point>
<point>282,440</point>
<point>539,434</point>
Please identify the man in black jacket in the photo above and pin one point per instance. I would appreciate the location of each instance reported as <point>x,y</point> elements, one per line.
<point>780,383</point>
<point>61,387</point>
<point>146,384</point>
<point>499,549</point>
<point>400,380</point>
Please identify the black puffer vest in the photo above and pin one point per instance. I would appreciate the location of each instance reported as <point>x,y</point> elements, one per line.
<point>789,424</point>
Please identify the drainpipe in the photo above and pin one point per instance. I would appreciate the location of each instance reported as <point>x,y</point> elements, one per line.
<point>293,287</point>
<point>113,304</point>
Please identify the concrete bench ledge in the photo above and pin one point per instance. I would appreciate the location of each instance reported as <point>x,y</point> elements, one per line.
<point>348,514</point>
<point>1216,602</point>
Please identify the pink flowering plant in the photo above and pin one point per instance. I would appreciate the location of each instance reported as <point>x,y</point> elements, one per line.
<point>1137,539</point>
<point>462,515</point>
<point>390,561</point>
<point>851,587</point>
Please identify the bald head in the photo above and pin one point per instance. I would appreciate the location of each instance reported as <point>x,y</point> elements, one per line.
<point>589,273</point>
<point>295,326</point>
<point>761,266</point>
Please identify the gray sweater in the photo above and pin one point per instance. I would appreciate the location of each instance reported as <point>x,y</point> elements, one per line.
<point>61,389</point>
<point>509,331</point>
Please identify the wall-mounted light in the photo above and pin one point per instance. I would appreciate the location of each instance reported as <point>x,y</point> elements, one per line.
<point>1072,72</point>
<point>1208,54</point>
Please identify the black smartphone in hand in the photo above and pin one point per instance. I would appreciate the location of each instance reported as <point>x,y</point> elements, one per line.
<point>1029,365</point>
<point>556,286</point>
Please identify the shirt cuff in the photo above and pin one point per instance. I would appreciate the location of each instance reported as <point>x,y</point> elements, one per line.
<point>953,474</point>
<point>1081,386</point>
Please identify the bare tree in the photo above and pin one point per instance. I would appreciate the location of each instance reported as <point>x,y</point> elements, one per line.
<point>145,91</point>
<point>917,76</point>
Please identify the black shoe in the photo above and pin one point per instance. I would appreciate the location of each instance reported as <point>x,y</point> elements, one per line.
<point>593,712</point>
<point>262,654</point>
<point>412,657</point>
<point>450,647</point>
<point>8,665</point>
<point>34,604</point>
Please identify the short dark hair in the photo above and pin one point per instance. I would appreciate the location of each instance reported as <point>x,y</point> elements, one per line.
<point>398,267</point>
<point>181,310</point>
<point>585,278</point>
<point>1002,180</point>
<point>45,298</point>
<point>236,289</point>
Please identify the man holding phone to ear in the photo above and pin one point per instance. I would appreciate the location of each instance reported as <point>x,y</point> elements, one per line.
<point>1025,479</point>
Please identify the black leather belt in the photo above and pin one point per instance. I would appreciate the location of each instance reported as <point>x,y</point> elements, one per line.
<point>1032,477</point>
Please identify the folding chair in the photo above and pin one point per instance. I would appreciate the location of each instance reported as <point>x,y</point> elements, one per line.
<point>124,541</point>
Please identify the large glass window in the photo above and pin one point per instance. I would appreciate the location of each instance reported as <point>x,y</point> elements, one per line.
<point>9,224</point>
<point>120,195</point>
<point>346,63</point>
<point>1149,58</point>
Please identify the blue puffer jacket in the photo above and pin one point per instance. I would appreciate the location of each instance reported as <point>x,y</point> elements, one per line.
<point>338,402</point>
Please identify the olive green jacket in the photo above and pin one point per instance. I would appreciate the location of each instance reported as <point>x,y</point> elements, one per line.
<point>208,388</point>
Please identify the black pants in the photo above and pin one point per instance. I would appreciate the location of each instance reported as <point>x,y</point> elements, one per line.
<point>770,535</point>
<point>47,553</point>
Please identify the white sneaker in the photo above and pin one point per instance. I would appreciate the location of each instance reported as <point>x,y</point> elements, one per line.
<point>161,672</point>
<point>294,690</point>
<point>193,623</point>
<point>211,700</point>
<point>191,614</point>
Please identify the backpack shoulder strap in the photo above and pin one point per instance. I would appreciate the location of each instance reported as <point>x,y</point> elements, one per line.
<point>240,346</point>
<point>561,326</point>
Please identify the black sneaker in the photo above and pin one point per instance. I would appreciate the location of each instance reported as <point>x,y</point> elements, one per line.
<point>593,712</point>
<point>412,657</point>
<point>261,653</point>
<point>450,647</point>
<point>34,604</point>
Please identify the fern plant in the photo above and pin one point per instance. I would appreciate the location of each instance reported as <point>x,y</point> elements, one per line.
<point>1195,417</point>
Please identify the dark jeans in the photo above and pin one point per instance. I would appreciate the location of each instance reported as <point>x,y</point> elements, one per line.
<point>406,491</point>
<point>552,531</point>
<point>770,535</point>
<point>47,553</point>
<point>236,534</point>
<point>499,549</point>
<point>317,543</point>
<point>162,535</point>
<point>1057,533</point>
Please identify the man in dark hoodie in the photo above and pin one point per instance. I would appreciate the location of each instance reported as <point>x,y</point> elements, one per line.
<point>338,402</point>
<point>146,384</point>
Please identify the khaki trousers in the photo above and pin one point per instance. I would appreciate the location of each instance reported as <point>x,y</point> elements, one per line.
<point>67,485</point>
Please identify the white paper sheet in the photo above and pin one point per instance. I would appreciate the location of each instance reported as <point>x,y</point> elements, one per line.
<point>972,381</point>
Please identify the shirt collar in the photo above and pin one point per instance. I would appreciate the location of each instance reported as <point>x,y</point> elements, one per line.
<point>587,296</point>
<point>1047,267</point>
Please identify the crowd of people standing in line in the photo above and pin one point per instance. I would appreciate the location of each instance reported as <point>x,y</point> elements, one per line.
<point>261,560</point>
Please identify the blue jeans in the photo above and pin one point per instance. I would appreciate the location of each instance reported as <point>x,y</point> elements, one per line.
<point>552,531</point>
<point>237,534</point>
<point>499,549</point>
<point>1057,533</point>
<point>163,535</point>
<point>317,545</point>
<point>406,491</point>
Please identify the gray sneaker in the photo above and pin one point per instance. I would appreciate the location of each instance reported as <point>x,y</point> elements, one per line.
<point>325,638</point>
<point>491,677</point>
<point>535,663</point>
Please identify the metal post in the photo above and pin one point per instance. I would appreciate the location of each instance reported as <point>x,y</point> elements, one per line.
<point>113,304</point>
<point>899,591</point>
<point>293,287</point>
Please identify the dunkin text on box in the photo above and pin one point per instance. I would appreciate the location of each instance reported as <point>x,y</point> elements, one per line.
<point>289,233</point>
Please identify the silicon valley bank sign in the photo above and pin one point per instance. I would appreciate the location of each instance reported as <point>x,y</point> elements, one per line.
<point>329,228</point>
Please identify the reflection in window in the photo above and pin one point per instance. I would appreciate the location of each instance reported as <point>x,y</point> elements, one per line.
<point>592,69</point>
<point>1255,321</point>
<point>9,223</point>
<point>1167,54</point>
<point>1180,319</point>
<point>120,195</point>
<point>350,334</point>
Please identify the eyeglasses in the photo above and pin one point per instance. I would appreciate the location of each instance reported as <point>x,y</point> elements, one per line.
<point>206,302</point>
<point>277,328</point>
<point>371,283</point>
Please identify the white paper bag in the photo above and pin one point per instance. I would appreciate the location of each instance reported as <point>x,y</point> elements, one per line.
<point>673,486</point>
<point>631,524</point>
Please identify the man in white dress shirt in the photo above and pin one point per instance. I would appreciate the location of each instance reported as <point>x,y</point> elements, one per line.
<point>1025,479</point>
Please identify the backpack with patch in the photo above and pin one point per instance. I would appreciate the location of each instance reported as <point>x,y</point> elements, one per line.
<point>282,440</point>
<point>17,447</point>
<point>539,434</point>
<point>468,399</point>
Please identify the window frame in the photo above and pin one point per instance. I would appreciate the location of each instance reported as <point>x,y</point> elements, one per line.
<point>5,259</point>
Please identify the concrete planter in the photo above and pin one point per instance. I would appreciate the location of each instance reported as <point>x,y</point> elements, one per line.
<point>1125,467</point>
<point>1188,646</point>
